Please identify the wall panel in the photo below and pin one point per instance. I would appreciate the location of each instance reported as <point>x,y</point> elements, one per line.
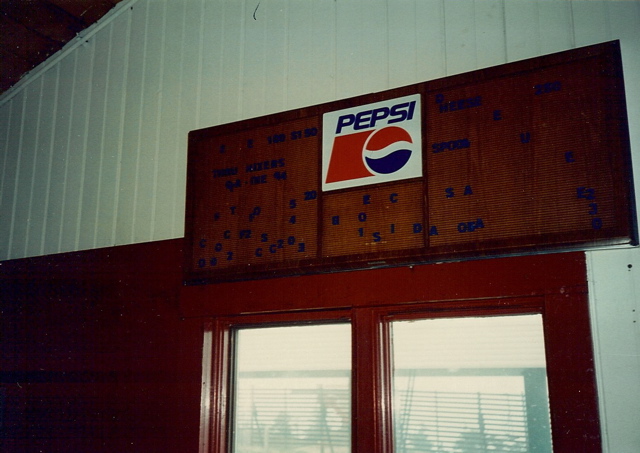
<point>56,189</point>
<point>231,61</point>
<point>96,170</point>
<point>95,357</point>
<point>151,113</point>
<point>12,114</point>
<point>23,175</point>
<point>126,215</point>
<point>86,150</point>
<point>304,71</point>
<point>188,105</point>
<point>77,147</point>
<point>42,175</point>
<point>212,48</point>
<point>5,128</point>
<point>373,32</point>
<point>5,162</point>
<point>350,40</point>
<point>171,144</point>
<point>613,275</point>
<point>144,199</point>
<point>615,315</point>
<point>430,38</point>
<point>556,27</point>
<point>592,22</point>
<point>275,17</point>
<point>460,36</point>
<point>323,52</point>
<point>115,34</point>
<point>39,170</point>
<point>522,33</point>
<point>259,49</point>
<point>490,32</point>
<point>402,42</point>
<point>94,142</point>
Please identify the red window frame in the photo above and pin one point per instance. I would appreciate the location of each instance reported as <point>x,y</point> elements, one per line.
<point>571,389</point>
<point>554,286</point>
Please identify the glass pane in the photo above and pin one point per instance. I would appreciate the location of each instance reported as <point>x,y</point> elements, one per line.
<point>292,389</point>
<point>470,385</point>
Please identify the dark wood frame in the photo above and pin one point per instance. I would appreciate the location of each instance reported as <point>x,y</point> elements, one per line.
<point>623,231</point>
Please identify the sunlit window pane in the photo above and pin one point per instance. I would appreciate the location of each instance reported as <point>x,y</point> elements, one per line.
<point>470,385</point>
<point>292,389</point>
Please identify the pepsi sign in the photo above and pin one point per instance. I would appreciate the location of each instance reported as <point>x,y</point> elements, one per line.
<point>371,144</point>
<point>354,183</point>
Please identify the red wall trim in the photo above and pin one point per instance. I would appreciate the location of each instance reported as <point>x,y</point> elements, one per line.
<point>490,278</point>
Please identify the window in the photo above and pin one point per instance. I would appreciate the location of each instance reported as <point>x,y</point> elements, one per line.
<point>470,384</point>
<point>291,389</point>
<point>453,377</point>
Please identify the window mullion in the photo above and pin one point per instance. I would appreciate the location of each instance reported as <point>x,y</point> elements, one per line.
<point>371,423</point>
<point>220,376</point>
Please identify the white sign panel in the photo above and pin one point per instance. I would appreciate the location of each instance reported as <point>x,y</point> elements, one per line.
<point>371,144</point>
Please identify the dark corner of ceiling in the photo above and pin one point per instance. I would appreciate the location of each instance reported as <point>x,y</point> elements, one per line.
<point>33,30</point>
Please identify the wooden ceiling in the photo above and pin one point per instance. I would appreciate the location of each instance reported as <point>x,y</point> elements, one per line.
<point>33,30</point>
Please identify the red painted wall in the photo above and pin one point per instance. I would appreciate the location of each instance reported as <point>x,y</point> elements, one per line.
<point>95,356</point>
<point>101,350</point>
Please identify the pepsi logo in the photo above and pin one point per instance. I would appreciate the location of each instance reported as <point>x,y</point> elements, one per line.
<point>372,143</point>
<point>380,153</point>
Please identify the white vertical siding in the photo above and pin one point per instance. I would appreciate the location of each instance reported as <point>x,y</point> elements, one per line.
<point>615,275</point>
<point>489,24</point>
<point>460,37</point>
<point>13,116</point>
<point>126,215</point>
<point>57,181</point>
<point>556,27</point>
<point>210,77</point>
<point>112,114</point>
<point>402,40</point>
<point>257,52</point>
<point>592,23</point>
<point>79,147</point>
<point>20,167</point>
<point>615,316</point>
<point>522,33</point>
<point>93,171</point>
<point>147,165</point>
<point>25,215</point>
<point>230,59</point>
<point>6,168</point>
<point>309,53</point>
<point>41,169</point>
<point>75,87</point>
<point>171,145</point>
<point>431,60</point>
<point>93,143</point>
<point>108,144</point>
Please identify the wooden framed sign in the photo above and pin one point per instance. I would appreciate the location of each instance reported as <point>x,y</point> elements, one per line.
<point>525,157</point>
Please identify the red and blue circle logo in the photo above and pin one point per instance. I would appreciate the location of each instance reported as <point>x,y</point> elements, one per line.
<point>380,154</point>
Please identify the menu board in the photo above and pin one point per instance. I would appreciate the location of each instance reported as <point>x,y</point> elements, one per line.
<point>525,157</point>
